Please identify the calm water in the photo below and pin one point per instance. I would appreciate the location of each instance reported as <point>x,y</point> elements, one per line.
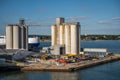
<point>110,71</point>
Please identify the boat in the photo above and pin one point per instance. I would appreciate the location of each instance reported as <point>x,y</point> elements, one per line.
<point>33,41</point>
<point>2,40</point>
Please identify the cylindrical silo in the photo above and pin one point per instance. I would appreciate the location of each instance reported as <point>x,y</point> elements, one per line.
<point>23,37</point>
<point>59,22</point>
<point>78,37</point>
<point>26,31</point>
<point>75,38</point>
<point>9,37</point>
<point>16,33</point>
<point>53,34</point>
<point>62,34</point>
<point>67,39</point>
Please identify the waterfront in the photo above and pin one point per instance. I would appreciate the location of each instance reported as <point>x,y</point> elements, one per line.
<point>110,71</point>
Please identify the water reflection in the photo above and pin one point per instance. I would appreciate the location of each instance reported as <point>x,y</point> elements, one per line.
<point>65,76</point>
<point>30,75</point>
<point>40,76</point>
<point>110,71</point>
<point>13,76</point>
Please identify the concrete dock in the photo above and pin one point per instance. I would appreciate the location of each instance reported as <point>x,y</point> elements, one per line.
<point>69,66</point>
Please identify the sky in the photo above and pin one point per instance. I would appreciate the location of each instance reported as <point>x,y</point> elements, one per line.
<point>95,16</point>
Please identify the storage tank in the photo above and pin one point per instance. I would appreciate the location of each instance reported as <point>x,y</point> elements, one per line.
<point>16,37</point>
<point>24,37</point>
<point>53,32</point>
<point>75,38</point>
<point>26,31</point>
<point>78,37</point>
<point>9,37</point>
<point>59,21</point>
<point>62,33</point>
<point>67,39</point>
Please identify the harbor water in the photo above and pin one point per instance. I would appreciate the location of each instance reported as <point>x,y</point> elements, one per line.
<point>109,71</point>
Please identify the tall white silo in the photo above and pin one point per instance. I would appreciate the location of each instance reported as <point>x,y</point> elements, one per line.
<point>75,38</point>
<point>67,39</point>
<point>59,22</point>
<point>62,34</point>
<point>16,37</point>
<point>53,34</point>
<point>9,37</point>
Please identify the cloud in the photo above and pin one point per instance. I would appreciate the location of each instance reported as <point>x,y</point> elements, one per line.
<point>76,17</point>
<point>116,19</point>
<point>104,22</point>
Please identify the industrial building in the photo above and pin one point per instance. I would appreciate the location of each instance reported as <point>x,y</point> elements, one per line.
<point>66,36</point>
<point>17,36</point>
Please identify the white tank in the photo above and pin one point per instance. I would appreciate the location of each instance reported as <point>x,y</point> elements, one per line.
<point>67,39</point>
<point>16,37</point>
<point>59,22</point>
<point>75,39</point>
<point>53,32</point>
<point>62,34</point>
<point>9,37</point>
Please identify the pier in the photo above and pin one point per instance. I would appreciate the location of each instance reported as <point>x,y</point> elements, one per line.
<point>70,66</point>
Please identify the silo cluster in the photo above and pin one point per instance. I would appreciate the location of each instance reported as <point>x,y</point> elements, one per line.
<point>16,36</point>
<point>67,34</point>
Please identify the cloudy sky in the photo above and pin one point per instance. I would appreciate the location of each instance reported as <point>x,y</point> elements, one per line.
<point>95,16</point>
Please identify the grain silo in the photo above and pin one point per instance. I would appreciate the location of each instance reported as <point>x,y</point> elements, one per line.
<point>67,36</point>
<point>67,39</point>
<point>59,22</point>
<point>9,37</point>
<point>62,34</point>
<point>24,37</point>
<point>16,37</point>
<point>75,47</point>
<point>54,36</point>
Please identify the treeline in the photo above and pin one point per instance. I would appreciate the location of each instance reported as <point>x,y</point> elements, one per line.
<point>45,38</point>
<point>88,37</point>
<point>100,37</point>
